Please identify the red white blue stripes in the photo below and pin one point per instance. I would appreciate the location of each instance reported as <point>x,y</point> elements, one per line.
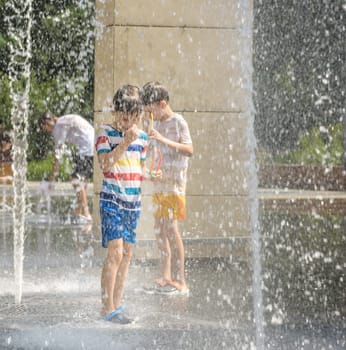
<point>122,183</point>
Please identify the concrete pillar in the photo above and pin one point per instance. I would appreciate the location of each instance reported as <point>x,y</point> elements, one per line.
<point>195,48</point>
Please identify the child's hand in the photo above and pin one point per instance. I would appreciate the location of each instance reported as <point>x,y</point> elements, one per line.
<point>154,134</point>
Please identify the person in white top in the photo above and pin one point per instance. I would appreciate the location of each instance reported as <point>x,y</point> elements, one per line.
<point>73,130</point>
<point>169,134</point>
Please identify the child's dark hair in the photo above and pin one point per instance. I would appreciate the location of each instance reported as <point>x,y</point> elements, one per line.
<point>128,99</point>
<point>45,116</point>
<point>153,92</point>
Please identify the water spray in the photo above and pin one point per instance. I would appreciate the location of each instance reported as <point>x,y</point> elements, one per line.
<point>19,20</point>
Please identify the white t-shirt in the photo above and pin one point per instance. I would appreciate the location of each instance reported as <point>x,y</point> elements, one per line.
<point>174,164</point>
<point>74,130</point>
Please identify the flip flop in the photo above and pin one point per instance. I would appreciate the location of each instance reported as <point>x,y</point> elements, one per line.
<point>168,289</point>
<point>159,284</point>
<point>178,287</point>
<point>114,313</point>
<point>162,282</point>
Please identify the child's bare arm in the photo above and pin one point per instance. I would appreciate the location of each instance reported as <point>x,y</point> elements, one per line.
<point>106,160</point>
<point>185,148</point>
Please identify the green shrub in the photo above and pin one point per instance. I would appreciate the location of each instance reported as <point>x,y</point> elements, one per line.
<point>41,169</point>
<point>321,146</point>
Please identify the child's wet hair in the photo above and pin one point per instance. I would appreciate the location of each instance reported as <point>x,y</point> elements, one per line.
<point>128,99</point>
<point>153,92</point>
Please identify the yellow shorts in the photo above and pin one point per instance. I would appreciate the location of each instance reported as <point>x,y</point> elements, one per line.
<point>170,206</point>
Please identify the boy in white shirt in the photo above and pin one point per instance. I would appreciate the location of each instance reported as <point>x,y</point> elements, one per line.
<point>172,139</point>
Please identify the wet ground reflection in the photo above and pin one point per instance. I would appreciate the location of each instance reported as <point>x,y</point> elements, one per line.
<point>304,268</point>
<point>303,289</point>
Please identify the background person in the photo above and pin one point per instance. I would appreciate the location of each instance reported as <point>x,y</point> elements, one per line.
<point>73,130</point>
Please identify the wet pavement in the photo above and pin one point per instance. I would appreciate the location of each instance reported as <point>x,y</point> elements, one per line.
<point>304,300</point>
<point>60,310</point>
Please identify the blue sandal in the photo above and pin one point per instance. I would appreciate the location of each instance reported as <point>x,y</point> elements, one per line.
<point>115,312</point>
<point>117,316</point>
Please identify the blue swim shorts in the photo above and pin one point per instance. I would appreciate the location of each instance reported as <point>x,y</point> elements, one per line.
<point>117,222</point>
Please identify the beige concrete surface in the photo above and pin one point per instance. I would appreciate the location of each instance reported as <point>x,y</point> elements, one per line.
<point>103,83</point>
<point>219,162</point>
<point>195,48</point>
<point>192,13</point>
<point>202,67</point>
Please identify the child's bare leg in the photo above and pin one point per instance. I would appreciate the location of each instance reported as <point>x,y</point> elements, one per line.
<point>121,275</point>
<point>164,249</point>
<point>110,269</point>
<point>82,207</point>
<point>84,200</point>
<point>178,255</point>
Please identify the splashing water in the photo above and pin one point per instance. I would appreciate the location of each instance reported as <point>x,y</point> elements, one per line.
<point>44,204</point>
<point>19,19</point>
<point>247,70</point>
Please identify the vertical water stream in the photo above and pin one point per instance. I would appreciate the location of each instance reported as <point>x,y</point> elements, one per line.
<point>246,7</point>
<point>19,20</point>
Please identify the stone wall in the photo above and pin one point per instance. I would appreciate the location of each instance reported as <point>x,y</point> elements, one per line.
<point>195,48</point>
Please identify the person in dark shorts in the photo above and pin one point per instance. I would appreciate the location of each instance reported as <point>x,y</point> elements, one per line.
<point>72,129</point>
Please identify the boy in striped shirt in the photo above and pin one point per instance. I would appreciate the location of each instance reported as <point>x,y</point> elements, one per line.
<point>121,150</point>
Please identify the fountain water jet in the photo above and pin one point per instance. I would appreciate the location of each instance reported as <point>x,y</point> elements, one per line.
<point>247,71</point>
<point>19,19</point>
